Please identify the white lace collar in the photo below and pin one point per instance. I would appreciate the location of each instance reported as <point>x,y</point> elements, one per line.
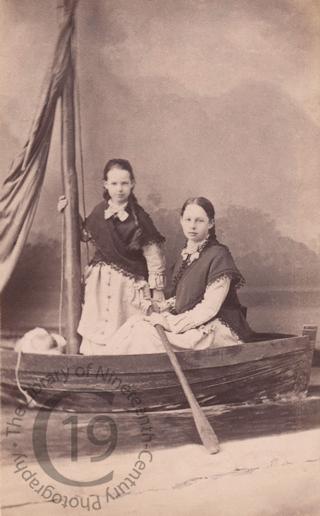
<point>192,250</point>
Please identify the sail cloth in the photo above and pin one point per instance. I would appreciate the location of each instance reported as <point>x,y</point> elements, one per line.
<point>21,189</point>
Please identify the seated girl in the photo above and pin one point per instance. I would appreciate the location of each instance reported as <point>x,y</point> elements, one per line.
<point>204,309</point>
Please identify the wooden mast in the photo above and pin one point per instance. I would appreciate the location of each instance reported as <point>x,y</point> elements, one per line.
<point>71,212</point>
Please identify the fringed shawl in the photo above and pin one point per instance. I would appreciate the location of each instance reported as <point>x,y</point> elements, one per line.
<point>112,239</point>
<point>214,262</point>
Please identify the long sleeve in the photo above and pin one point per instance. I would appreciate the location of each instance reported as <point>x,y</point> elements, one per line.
<point>214,296</point>
<point>155,259</point>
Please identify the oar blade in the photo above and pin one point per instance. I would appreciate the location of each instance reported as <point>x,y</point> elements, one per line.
<point>207,434</point>
<point>205,430</point>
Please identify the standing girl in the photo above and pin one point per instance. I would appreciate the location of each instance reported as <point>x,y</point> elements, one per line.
<point>204,309</point>
<point>127,263</point>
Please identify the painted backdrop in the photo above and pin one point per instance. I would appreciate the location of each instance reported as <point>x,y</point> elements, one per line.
<point>205,97</point>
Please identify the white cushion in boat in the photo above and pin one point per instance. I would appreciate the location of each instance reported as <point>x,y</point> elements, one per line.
<point>40,341</point>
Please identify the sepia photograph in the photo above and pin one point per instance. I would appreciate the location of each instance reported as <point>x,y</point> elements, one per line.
<point>160,257</point>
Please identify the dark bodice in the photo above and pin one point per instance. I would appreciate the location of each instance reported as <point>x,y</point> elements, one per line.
<point>112,239</point>
<point>214,262</point>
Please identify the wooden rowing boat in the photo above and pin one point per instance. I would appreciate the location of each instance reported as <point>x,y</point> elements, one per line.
<point>276,367</point>
<point>273,368</point>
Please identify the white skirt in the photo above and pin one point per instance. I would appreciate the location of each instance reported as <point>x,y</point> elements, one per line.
<point>138,336</point>
<point>111,298</point>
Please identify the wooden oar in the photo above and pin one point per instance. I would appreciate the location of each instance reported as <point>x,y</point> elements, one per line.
<point>205,430</point>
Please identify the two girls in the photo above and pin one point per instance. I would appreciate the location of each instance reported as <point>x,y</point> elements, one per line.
<point>204,309</point>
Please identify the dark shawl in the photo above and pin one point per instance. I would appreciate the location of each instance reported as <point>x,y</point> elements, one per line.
<point>112,239</point>
<point>214,262</point>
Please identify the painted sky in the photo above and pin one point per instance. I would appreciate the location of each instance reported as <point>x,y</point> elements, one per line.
<point>219,98</point>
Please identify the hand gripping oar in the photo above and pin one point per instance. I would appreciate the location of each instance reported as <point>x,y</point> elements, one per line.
<point>205,430</point>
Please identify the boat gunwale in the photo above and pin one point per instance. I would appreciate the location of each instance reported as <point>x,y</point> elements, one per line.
<point>159,362</point>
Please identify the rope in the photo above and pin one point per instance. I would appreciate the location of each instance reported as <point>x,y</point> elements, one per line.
<point>29,399</point>
<point>1,317</point>
<point>79,127</point>
<point>31,402</point>
<point>61,275</point>
<point>62,234</point>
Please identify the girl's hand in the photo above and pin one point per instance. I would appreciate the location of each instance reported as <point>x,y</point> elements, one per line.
<point>155,318</point>
<point>62,203</point>
<point>158,296</point>
<point>155,307</point>
<point>160,307</point>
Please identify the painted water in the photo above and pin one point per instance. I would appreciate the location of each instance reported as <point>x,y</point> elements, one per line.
<point>269,309</point>
<point>282,310</point>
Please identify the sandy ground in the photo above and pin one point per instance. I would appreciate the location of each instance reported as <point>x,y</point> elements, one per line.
<point>274,475</point>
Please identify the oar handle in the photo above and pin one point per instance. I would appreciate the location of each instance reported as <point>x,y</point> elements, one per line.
<point>205,430</point>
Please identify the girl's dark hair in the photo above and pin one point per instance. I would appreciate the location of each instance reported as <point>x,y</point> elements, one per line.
<point>124,164</point>
<point>207,206</point>
<point>209,209</point>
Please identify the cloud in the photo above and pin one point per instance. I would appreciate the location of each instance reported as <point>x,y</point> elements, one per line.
<point>220,96</point>
<point>209,47</point>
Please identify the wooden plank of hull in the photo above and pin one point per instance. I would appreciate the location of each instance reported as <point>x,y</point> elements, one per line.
<point>213,357</point>
<point>176,428</point>
<point>316,357</point>
<point>101,379</point>
<point>276,368</point>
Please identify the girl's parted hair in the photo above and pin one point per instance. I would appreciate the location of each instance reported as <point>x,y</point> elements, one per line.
<point>124,164</point>
<point>207,206</point>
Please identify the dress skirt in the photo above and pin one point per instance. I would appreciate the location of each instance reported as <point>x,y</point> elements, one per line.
<point>138,336</point>
<point>110,299</point>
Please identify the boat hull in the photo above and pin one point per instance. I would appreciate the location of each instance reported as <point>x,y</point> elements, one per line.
<point>253,373</point>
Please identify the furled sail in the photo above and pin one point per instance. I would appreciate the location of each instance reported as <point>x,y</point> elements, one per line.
<point>21,189</point>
